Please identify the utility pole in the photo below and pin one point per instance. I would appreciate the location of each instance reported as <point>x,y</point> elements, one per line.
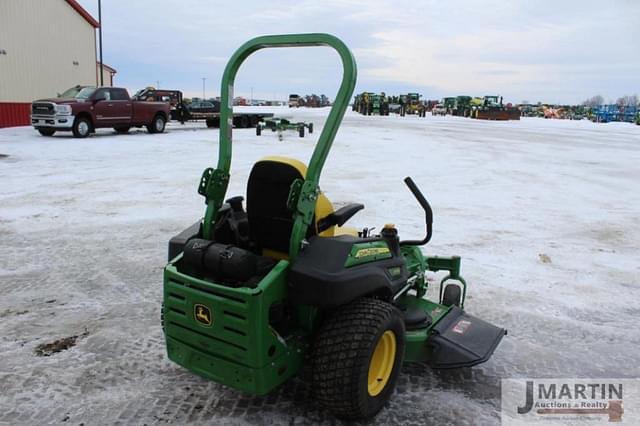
<point>157,84</point>
<point>251,102</point>
<point>203,80</point>
<point>100,38</point>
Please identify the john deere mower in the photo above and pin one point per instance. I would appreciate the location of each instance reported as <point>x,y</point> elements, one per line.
<point>281,125</point>
<point>257,290</point>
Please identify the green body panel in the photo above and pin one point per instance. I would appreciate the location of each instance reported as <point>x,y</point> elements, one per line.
<point>416,348</point>
<point>240,348</point>
<point>367,252</point>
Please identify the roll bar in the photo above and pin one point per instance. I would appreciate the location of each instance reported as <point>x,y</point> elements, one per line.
<point>214,187</point>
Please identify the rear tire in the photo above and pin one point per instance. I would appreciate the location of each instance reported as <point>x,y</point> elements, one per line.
<point>157,125</point>
<point>452,295</point>
<point>81,127</point>
<point>46,132</point>
<point>357,357</point>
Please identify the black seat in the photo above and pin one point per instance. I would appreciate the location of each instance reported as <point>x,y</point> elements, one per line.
<point>270,220</point>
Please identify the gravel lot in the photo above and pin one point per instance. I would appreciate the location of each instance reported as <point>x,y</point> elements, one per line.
<point>544,212</point>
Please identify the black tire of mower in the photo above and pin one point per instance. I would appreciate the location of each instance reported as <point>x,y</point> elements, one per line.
<point>301,131</point>
<point>258,130</point>
<point>452,295</point>
<point>46,132</point>
<point>342,352</point>
<point>151,127</point>
<point>310,128</point>
<point>122,130</point>
<point>76,127</point>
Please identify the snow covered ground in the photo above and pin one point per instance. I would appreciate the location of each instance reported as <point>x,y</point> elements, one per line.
<point>543,212</point>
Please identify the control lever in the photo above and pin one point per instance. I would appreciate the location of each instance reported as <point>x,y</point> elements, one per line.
<point>427,212</point>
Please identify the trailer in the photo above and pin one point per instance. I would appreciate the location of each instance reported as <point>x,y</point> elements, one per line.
<point>181,112</point>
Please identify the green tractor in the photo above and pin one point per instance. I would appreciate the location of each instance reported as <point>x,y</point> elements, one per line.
<point>378,104</point>
<point>252,296</point>
<point>449,104</point>
<point>492,108</point>
<point>280,125</point>
<point>462,106</point>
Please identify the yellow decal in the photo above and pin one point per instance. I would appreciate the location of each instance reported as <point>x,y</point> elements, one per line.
<point>373,251</point>
<point>202,314</point>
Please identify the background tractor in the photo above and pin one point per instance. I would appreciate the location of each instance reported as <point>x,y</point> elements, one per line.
<point>413,104</point>
<point>492,108</point>
<point>449,104</point>
<point>369,103</point>
<point>462,106</point>
<point>250,296</point>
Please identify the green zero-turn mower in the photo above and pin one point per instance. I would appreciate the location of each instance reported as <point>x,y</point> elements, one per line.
<point>250,297</point>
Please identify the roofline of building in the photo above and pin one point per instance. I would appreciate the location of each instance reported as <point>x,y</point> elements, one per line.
<point>107,67</point>
<point>86,15</point>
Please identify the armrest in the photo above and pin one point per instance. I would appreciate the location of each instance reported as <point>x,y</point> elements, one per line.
<point>339,217</point>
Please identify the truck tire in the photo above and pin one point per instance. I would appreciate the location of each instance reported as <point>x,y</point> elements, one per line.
<point>122,130</point>
<point>244,122</point>
<point>157,125</point>
<point>81,127</point>
<point>46,132</point>
<point>258,130</point>
<point>354,377</point>
<point>301,131</point>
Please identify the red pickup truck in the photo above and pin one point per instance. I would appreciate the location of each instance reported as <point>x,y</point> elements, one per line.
<point>82,109</point>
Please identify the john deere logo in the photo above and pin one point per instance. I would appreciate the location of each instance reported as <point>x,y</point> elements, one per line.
<point>202,314</point>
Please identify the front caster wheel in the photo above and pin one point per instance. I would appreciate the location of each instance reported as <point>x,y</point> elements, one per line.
<point>452,295</point>
<point>357,358</point>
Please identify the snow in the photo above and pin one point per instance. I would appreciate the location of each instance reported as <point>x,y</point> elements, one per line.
<point>543,212</point>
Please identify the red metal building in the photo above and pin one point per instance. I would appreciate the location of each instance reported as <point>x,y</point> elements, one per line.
<point>31,68</point>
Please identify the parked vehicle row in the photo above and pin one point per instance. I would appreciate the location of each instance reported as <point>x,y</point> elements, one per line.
<point>83,109</point>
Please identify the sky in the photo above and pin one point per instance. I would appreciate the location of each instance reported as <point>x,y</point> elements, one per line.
<point>548,51</point>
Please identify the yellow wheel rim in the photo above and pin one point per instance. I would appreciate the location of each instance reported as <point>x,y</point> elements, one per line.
<point>381,363</point>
